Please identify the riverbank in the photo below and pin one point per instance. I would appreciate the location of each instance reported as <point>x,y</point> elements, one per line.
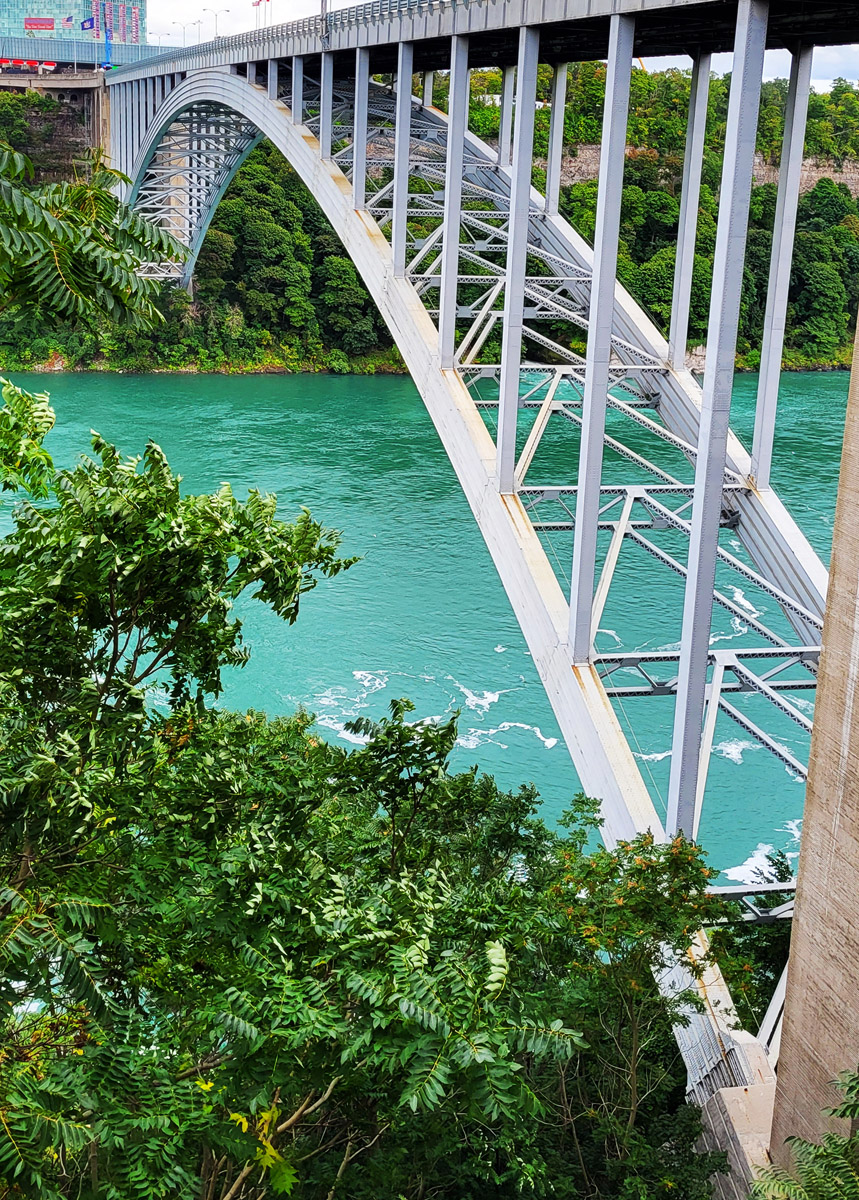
<point>385,361</point>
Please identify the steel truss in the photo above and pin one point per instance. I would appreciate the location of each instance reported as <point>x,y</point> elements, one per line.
<point>483,267</point>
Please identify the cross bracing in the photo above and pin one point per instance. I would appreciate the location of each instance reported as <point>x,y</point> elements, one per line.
<point>596,466</point>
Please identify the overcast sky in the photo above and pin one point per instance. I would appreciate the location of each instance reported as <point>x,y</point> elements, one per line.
<point>829,63</point>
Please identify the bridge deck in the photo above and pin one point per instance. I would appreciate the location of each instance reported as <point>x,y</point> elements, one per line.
<point>572,31</point>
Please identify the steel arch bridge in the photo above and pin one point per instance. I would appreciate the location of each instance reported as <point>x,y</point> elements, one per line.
<point>587,474</point>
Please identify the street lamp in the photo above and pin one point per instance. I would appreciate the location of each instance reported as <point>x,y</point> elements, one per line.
<point>184,25</point>
<point>216,12</point>
<point>199,25</point>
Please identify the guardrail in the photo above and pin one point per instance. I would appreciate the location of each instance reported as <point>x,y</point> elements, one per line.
<point>340,18</point>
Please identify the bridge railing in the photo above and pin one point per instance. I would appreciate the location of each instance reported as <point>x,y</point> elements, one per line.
<point>341,18</point>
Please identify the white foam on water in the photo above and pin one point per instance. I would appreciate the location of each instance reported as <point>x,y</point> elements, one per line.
<point>499,649</point>
<point>479,737</point>
<point>740,599</point>
<point>373,681</point>
<point>357,739</point>
<point>734,749</point>
<point>481,702</point>
<point>738,627</point>
<point>611,633</point>
<point>656,757</point>
<point>748,871</point>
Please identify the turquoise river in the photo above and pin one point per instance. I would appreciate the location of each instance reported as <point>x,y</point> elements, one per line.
<point>423,614</point>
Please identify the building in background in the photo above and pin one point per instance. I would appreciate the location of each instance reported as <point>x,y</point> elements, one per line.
<point>83,20</point>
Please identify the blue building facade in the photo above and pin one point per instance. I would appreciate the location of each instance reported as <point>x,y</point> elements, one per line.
<point>124,23</point>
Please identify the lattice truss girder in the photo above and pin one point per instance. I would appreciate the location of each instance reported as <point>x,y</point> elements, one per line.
<point>195,160</point>
<point>645,516</point>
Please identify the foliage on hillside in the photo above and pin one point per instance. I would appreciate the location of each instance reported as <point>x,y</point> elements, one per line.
<point>274,288</point>
<point>238,962</point>
<point>658,105</point>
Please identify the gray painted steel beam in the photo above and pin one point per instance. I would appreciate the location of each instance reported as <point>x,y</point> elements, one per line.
<point>457,128</point>
<point>505,130</point>
<point>780,264</point>
<point>556,137</point>
<point>273,78</point>
<point>690,195</point>
<point>326,105</point>
<point>298,89</point>
<point>729,259</point>
<point>517,252</point>
<point>359,127</point>
<point>429,82</point>
<point>601,319</point>
<point>402,148</point>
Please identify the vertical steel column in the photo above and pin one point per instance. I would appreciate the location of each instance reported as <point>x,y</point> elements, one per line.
<point>298,89</point>
<point>457,124</point>
<point>693,161</point>
<point>517,252</point>
<point>790,170</point>
<point>402,145</point>
<point>326,104</point>
<point>556,137</point>
<point>600,319</point>
<point>122,117</point>
<point>273,78</point>
<point>252,72</point>
<point>728,262</point>
<point>359,127</point>
<point>505,129</point>
<point>429,82</point>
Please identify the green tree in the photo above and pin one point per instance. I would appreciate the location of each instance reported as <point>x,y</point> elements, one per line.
<point>239,962</point>
<point>69,250</point>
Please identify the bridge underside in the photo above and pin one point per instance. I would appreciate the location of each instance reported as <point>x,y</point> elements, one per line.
<point>595,476</point>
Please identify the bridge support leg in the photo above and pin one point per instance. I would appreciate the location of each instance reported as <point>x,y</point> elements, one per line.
<point>780,263</point>
<point>359,127</point>
<point>556,138</point>
<point>457,111</point>
<point>693,161</point>
<point>728,263</point>
<point>505,130</point>
<point>298,89</point>
<point>326,104</point>
<point>273,78</point>
<point>517,253</point>
<point>402,146</point>
<point>429,83</point>
<point>252,72</point>
<point>598,355</point>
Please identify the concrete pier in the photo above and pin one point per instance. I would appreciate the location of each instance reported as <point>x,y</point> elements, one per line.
<point>821,1030</point>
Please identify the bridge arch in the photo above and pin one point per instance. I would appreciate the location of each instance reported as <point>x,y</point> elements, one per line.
<point>605,763</point>
<point>193,144</point>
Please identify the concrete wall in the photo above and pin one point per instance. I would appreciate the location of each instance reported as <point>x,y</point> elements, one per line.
<point>585,164</point>
<point>821,1025</point>
<point>738,1120</point>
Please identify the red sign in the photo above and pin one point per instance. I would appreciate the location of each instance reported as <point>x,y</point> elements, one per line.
<point>122,26</point>
<point>39,23</point>
<point>96,16</point>
<point>135,24</point>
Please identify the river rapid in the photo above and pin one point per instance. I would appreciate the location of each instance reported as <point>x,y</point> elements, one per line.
<point>423,614</point>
